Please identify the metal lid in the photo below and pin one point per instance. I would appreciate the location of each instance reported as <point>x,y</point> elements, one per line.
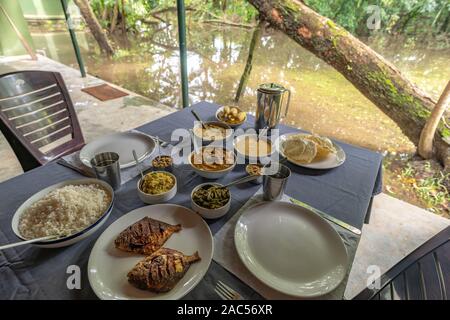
<point>271,88</point>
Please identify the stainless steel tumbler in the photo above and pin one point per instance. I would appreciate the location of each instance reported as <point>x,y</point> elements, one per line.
<point>274,185</point>
<point>107,168</point>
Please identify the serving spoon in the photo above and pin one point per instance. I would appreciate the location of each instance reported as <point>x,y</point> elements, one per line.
<point>241,180</point>
<point>21,243</point>
<point>198,119</point>
<point>140,170</point>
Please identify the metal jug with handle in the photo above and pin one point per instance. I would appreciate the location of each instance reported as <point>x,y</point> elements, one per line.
<point>270,98</point>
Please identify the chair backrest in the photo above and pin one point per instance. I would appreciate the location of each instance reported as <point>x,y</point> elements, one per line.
<point>422,275</point>
<point>37,117</point>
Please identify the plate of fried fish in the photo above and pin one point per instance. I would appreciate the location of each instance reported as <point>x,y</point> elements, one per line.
<point>310,150</point>
<point>154,252</point>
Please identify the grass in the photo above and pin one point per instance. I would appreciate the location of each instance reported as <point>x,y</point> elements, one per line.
<point>421,181</point>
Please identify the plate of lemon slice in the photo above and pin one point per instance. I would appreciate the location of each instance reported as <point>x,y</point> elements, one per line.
<point>310,150</point>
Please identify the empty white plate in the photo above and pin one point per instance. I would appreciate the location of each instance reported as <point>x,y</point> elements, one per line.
<point>291,249</point>
<point>108,267</point>
<point>333,160</point>
<point>122,143</point>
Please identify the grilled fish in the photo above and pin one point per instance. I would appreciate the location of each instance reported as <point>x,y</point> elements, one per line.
<point>162,270</point>
<point>145,236</point>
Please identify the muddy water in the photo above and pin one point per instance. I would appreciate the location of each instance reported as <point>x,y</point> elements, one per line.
<point>323,101</point>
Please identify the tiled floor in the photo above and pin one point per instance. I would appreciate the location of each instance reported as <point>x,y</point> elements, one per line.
<point>396,227</point>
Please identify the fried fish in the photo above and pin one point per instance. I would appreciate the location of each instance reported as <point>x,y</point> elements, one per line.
<point>145,236</point>
<point>162,270</point>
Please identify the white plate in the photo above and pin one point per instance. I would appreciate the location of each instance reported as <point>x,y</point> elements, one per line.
<point>290,249</point>
<point>122,143</point>
<point>108,266</point>
<point>332,161</point>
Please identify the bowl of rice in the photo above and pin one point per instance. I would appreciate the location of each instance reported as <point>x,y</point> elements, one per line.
<point>72,210</point>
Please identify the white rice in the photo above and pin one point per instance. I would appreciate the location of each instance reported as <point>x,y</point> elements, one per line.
<point>65,210</point>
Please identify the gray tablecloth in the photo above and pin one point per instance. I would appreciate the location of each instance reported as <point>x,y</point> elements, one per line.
<point>28,272</point>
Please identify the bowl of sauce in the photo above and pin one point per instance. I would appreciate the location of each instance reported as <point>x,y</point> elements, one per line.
<point>252,147</point>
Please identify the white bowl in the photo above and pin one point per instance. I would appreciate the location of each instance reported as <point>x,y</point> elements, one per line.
<point>211,174</point>
<point>218,142</point>
<point>232,125</point>
<point>157,198</point>
<point>209,213</point>
<point>253,159</point>
<point>80,235</point>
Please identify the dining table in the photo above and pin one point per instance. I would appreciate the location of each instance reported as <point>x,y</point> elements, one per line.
<point>30,272</point>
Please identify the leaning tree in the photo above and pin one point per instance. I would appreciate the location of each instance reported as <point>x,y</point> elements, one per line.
<point>375,77</point>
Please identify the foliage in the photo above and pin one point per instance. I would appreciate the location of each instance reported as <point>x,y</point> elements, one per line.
<point>137,11</point>
<point>409,17</point>
<point>429,184</point>
<point>397,16</point>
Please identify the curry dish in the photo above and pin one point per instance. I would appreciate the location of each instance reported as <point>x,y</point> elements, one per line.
<point>212,132</point>
<point>157,183</point>
<point>251,146</point>
<point>212,159</point>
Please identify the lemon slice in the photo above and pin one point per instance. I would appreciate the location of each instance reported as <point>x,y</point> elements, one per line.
<point>324,146</point>
<point>298,149</point>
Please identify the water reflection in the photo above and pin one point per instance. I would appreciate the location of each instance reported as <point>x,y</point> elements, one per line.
<point>323,101</point>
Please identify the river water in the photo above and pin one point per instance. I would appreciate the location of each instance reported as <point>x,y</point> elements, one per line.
<point>323,101</point>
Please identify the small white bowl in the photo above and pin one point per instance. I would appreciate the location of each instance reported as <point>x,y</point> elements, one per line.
<point>157,198</point>
<point>73,238</point>
<point>209,213</point>
<point>232,125</point>
<point>211,174</point>
<point>253,159</point>
<point>218,142</point>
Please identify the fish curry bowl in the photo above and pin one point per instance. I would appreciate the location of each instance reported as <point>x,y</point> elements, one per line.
<point>212,162</point>
<point>70,211</point>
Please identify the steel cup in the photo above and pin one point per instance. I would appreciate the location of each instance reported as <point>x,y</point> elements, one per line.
<point>274,185</point>
<point>107,168</point>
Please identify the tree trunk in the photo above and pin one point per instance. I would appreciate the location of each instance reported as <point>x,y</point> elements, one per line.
<point>248,65</point>
<point>426,138</point>
<point>369,72</point>
<point>94,26</point>
<point>124,17</point>
<point>115,14</point>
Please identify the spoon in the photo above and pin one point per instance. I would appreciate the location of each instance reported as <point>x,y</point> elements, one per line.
<point>198,119</point>
<point>263,132</point>
<point>21,243</point>
<point>140,170</point>
<point>159,145</point>
<point>241,180</point>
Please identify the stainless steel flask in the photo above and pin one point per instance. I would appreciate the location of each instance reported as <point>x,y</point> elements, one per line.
<point>270,99</point>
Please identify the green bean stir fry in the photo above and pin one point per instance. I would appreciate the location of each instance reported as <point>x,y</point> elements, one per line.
<point>211,197</point>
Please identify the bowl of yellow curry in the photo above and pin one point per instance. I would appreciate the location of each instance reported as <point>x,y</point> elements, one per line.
<point>157,187</point>
<point>212,162</point>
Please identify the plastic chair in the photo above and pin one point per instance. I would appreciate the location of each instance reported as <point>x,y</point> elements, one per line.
<point>422,275</point>
<point>37,117</point>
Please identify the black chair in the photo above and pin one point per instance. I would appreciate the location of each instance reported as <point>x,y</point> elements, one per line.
<point>37,117</point>
<point>422,275</point>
